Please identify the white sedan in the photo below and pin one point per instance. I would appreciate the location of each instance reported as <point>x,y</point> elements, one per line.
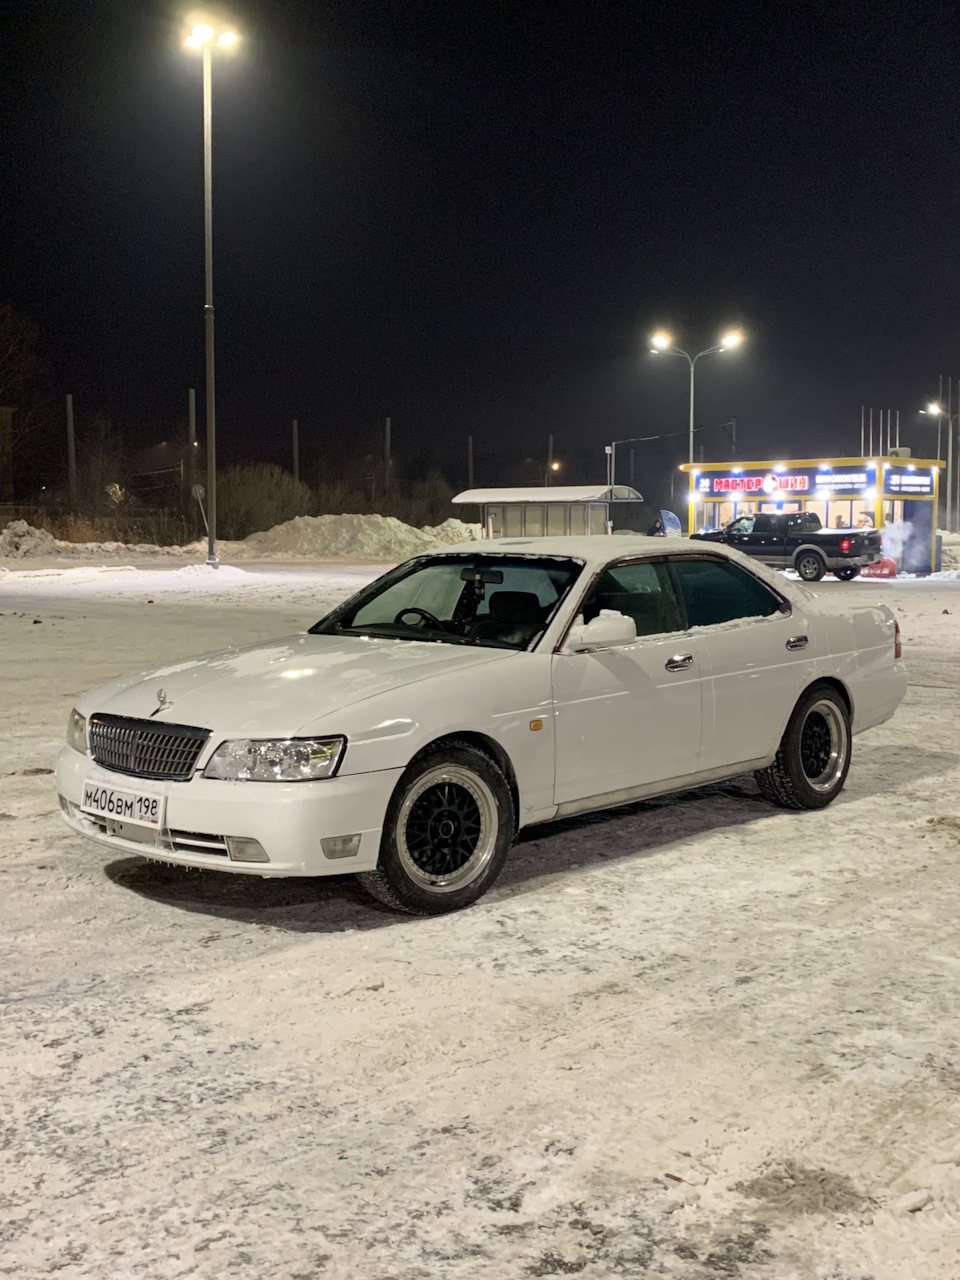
<point>466,694</point>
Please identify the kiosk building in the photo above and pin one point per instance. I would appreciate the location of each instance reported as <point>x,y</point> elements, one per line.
<point>845,493</point>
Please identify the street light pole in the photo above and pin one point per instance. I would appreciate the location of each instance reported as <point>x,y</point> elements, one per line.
<point>205,38</point>
<point>693,367</point>
<point>662,344</point>
<point>208,306</point>
<point>935,409</point>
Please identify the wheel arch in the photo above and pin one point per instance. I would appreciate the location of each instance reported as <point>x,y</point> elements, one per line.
<point>831,682</point>
<point>490,748</point>
<point>806,547</point>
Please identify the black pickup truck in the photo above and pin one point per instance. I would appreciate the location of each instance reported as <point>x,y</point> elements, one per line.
<point>798,541</point>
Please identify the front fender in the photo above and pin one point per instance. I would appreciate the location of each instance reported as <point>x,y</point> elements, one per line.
<point>503,701</point>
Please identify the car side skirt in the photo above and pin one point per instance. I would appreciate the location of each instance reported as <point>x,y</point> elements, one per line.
<point>611,799</point>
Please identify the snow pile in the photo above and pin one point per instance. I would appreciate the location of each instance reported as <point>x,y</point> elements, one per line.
<point>127,549</point>
<point>20,539</point>
<point>950,549</point>
<point>453,531</point>
<point>346,537</point>
<point>219,574</point>
<point>353,537</point>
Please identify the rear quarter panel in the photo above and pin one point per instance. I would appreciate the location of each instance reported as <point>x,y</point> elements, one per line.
<point>855,644</point>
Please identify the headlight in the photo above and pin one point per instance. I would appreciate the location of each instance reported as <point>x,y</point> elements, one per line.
<point>77,732</point>
<point>278,760</point>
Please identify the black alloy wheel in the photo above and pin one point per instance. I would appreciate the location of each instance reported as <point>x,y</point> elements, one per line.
<point>448,828</point>
<point>813,759</point>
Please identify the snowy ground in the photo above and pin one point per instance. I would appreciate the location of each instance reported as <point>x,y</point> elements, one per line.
<point>687,1039</point>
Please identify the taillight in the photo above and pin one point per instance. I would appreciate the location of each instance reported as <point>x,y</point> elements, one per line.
<point>897,646</point>
<point>845,545</point>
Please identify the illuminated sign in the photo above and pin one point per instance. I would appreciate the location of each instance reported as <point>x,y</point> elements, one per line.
<point>841,480</point>
<point>904,482</point>
<point>857,480</point>
<point>769,483</point>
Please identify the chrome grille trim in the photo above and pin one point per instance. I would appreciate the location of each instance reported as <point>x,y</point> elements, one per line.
<point>144,748</point>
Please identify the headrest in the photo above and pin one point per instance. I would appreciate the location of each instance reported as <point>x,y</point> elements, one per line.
<point>515,606</point>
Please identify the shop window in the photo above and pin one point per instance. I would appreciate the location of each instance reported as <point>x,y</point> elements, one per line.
<point>718,591</point>
<point>818,509</point>
<point>841,515</point>
<point>495,521</point>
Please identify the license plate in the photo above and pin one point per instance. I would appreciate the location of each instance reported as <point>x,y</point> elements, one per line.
<point>125,806</point>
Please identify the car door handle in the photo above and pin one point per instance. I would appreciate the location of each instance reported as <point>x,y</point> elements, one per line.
<point>679,662</point>
<point>797,642</point>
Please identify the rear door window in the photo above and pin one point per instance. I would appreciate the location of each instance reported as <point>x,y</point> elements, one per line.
<point>717,591</point>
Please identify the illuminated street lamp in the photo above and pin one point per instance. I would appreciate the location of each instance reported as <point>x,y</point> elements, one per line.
<point>662,344</point>
<point>937,411</point>
<point>206,38</point>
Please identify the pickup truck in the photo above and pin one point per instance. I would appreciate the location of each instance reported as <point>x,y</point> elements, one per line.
<point>797,540</point>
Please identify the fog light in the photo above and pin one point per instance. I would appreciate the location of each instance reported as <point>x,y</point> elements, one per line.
<point>243,849</point>
<point>340,846</point>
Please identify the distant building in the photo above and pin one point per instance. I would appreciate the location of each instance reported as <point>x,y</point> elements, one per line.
<point>557,511</point>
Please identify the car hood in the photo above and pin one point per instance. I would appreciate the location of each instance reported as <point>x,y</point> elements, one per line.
<point>280,686</point>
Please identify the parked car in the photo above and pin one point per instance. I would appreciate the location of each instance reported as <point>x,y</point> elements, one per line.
<point>414,730</point>
<point>797,540</point>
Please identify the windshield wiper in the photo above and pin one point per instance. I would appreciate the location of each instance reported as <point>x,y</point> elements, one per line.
<point>430,637</point>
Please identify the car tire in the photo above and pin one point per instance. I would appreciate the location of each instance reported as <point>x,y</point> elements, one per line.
<point>448,828</point>
<point>810,565</point>
<point>848,574</point>
<point>813,758</point>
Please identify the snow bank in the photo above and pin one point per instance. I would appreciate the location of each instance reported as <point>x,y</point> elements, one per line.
<point>354,537</point>
<point>344,537</point>
<point>951,549</point>
<point>20,539</point>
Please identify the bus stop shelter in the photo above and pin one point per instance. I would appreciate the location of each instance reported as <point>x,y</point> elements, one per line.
<point>562,510</point>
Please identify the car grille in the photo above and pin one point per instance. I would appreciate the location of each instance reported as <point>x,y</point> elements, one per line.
<point>145,749</point>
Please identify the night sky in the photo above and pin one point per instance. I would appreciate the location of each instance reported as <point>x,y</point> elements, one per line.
<point>470,217</point>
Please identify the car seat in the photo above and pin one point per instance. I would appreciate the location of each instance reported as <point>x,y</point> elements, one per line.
<point>515,617</point>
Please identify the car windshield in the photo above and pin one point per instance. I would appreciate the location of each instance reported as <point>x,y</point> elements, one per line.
<point>504,602</point>
<point>743,525</point>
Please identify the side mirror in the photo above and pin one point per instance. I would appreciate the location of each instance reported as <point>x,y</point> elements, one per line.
<point>608,630</point>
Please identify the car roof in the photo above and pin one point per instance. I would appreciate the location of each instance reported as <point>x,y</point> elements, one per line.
<point>596,550</point>
<point>599,550</point>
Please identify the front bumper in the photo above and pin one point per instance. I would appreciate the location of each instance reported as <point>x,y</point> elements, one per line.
<point>288,819</point>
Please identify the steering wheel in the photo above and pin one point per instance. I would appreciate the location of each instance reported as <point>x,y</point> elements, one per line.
<point>423,614</point>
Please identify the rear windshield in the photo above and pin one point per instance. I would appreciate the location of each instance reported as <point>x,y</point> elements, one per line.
<point>502,602</point>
